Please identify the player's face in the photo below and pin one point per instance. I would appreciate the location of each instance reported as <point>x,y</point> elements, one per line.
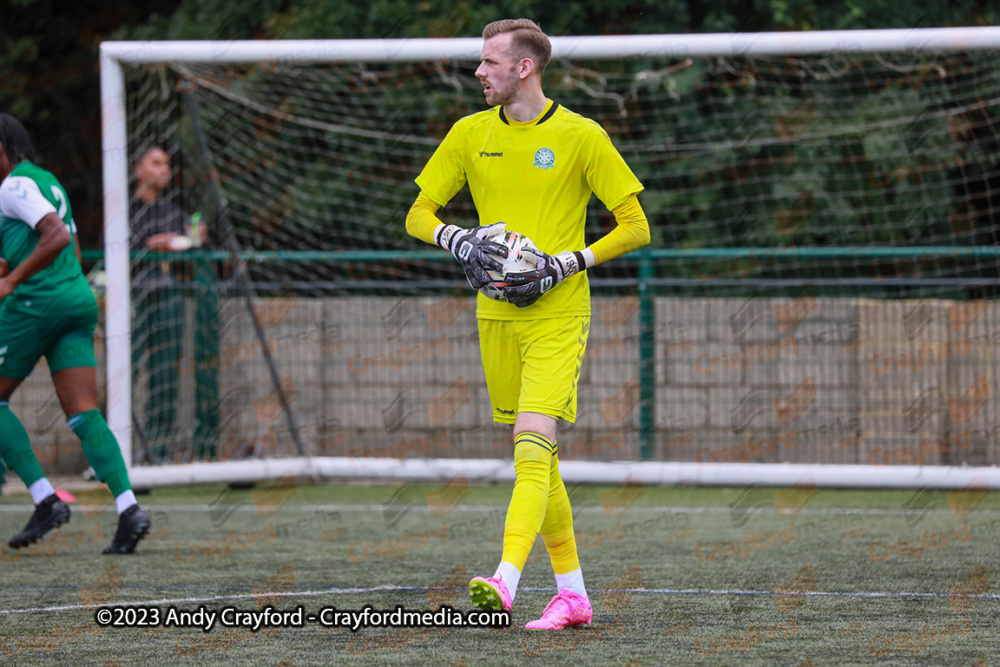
<point>498,71</point>
<point>154,170</point>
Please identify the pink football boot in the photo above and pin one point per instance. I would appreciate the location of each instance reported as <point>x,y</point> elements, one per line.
<point>490,593</point>
<point>564,610</point>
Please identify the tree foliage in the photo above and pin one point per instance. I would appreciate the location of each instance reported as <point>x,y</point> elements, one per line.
<point>50,79</point>
<point>49,67</point>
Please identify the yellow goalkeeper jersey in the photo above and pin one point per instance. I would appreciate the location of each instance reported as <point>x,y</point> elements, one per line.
<point>537,177</point>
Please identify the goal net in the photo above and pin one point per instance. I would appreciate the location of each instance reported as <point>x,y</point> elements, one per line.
<point>816,302</point>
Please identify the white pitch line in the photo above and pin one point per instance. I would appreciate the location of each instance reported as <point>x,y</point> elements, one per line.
<point>640,509</point>
<point>410,589</point>
<point>250,507</point>
<point>861,594</point>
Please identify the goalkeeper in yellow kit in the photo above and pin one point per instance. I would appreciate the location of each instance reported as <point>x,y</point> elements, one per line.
<point>531,164</point>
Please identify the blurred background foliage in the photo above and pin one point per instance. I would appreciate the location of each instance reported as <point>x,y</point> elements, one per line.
<point>49,66</point>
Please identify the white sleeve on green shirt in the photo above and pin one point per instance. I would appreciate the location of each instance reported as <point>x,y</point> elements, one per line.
<point>21,199</point>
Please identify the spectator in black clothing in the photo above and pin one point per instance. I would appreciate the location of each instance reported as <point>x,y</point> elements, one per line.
<point>159,225</point>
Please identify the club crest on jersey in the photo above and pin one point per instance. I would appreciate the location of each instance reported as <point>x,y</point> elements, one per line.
<point>544,158</point>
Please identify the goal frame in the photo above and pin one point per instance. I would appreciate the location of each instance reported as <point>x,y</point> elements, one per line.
<point>113,55</point>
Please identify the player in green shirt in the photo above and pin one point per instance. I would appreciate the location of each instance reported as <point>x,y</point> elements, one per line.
<point>47,308</point>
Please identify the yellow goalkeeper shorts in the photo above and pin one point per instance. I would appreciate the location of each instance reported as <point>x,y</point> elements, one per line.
<point>533,365</point>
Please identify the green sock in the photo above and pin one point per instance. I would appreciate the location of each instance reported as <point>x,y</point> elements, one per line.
<point>101,448</point>
<point>15,447</point>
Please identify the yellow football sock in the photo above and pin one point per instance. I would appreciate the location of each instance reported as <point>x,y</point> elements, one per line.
<point>532,464</point>
<point>557,527</point>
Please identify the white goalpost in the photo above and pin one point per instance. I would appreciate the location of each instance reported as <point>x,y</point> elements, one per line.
<point>822,226</point>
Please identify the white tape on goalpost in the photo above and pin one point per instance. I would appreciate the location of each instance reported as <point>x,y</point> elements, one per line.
<point>651,473</point>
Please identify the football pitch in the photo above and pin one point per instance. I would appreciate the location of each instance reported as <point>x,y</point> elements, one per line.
<point>676,576</point>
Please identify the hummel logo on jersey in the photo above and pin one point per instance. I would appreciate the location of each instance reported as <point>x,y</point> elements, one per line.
<point>486,154</point>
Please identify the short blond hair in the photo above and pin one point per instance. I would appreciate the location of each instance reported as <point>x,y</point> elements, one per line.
<point>528,40</point>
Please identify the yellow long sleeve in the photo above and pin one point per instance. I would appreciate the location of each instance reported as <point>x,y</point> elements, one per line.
<point>631,233</point>
<point>422,221</point>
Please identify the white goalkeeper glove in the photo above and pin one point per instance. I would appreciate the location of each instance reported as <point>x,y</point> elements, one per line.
<point>524,289</point>
<point>472,250</point>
